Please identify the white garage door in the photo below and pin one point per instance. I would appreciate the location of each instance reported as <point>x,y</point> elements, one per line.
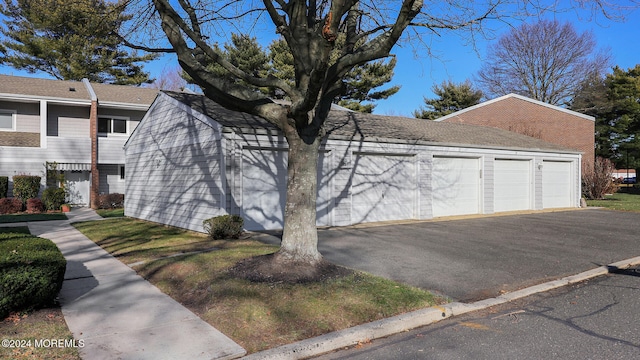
<point>264,188</point>
<point>556,184</point>
<point>384,188</point>
<point>512,185</point>
<point>456,186</point>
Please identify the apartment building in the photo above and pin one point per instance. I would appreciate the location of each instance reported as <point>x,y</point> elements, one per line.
<point>78,125</point>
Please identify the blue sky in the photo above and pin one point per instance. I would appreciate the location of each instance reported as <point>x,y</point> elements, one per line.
<point>456,60</point>
<point>459,61</point>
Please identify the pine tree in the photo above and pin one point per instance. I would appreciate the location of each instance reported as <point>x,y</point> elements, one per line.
<point>613,101</point>
<point>70,40</point>
<point>361,81</point>
<point>452,97</point>
<point>359,84</point>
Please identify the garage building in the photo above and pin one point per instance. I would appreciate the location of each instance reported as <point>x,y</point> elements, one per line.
<point>192,159</point>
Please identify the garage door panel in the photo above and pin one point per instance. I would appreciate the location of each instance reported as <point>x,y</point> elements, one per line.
<point>383,188</point>
<point>264,188</point>
<point>512,185</point>
<point>264,176</point>
<point>556,184</point>
<point>455,186</point>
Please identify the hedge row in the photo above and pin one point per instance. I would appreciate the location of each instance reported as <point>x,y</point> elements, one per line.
<point>4,186</point>
<point>31,272</point>
<point>26,187</point>
<point>110,201</point>
<point>10,205</point>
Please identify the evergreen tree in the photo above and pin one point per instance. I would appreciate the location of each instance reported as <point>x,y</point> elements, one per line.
<point>281,61</point>
<point>69,40</point>
<point>615,103</point>
<point>452,97</point>
<point>359,84</point>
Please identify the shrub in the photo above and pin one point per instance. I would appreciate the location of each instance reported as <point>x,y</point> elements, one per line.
<point>224,227</point>
<point>597,180</point>
<point>10,205</point>
<point>31,272</point>
<point>4,186</point>
<point>35,206</point>
<point>53,198</point>
<point>26,187</point>
<point>110,201</point>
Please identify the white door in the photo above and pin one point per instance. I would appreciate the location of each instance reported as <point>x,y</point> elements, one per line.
<point>455,186</point>
<point>264,189</point>
<point>383,188</point>
<point>556,184</point>
<point>78,186</point>
<point>512,185</point>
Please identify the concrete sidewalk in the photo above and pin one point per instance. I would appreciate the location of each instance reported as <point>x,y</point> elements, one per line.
<point>119,315</point>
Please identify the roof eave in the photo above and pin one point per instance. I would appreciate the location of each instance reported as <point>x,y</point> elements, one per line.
<point>35,99</point>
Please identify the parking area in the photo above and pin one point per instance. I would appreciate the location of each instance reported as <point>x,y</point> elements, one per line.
<point>477,258</point>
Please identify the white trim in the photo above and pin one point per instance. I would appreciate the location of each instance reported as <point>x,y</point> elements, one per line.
<point>524,98</point>
<point>44,113</point>
<point>123,106</point>
<point>146,115</point>
<point>35,99</point>
<point>13,119</point>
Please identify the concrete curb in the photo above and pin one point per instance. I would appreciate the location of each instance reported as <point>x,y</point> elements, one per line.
<point>404,322</point>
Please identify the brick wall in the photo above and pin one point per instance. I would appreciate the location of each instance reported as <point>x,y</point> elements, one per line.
<point>535,120</point>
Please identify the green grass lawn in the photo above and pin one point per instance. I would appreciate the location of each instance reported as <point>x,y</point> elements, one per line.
<point>623,201</point>
<point>109,213</point>
<point>12,218</point>
<point>256,315</point>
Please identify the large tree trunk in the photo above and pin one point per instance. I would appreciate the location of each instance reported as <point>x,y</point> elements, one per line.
<point>298,259</point>
<point>300,236</point>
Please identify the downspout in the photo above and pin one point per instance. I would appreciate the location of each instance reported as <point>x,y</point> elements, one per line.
<point>93,130</point>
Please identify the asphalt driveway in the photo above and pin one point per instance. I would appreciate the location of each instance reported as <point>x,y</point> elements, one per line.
<point>474,259</point>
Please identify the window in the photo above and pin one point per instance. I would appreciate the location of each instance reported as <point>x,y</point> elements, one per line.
<point>7,120</point>
<point>112,125</point>
<point>121,172</point>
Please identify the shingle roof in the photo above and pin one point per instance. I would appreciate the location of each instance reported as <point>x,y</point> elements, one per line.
<point>59,89</point>
<point>75,90</point>
<point>357,126</point>
<point>124,94</point>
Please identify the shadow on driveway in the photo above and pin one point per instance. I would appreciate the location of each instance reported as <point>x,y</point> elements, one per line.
<point>474,259</point>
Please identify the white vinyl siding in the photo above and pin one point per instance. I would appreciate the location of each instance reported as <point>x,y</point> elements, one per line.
<point>177,170</point>
<point>512,185</point>
<point>68,122</point>
<point>110,181</point>
<point>456,186</point>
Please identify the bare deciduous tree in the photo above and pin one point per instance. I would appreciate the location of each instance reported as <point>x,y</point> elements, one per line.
<point>310,29</point>
<point>597,179</point>
<point>170,79</point>
<point>546,61</point>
